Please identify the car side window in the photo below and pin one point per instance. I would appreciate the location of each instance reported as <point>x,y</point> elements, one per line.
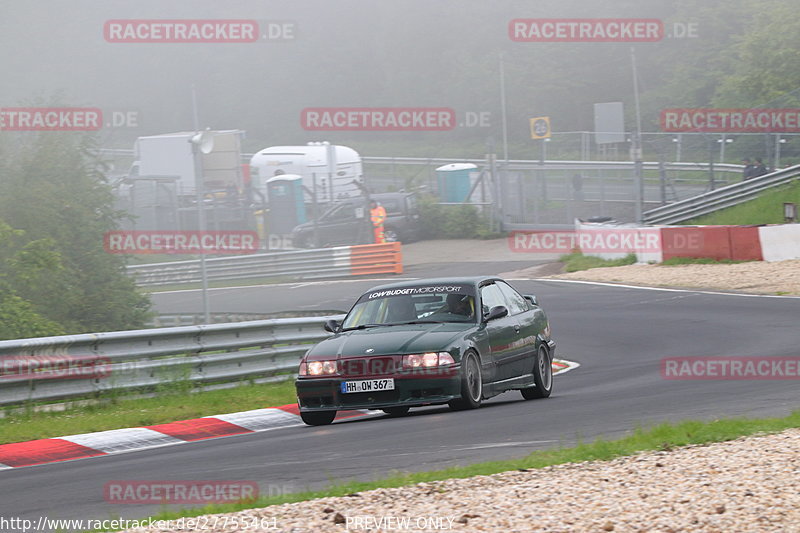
<point>391,206</point>
<point>343,213</point>
<point>491,297</point>
<point>516,302</point>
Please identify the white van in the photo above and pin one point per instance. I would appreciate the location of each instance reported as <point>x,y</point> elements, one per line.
<point>332,171</point>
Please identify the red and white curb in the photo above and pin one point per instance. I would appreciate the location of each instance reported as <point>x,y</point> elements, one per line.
<point>116,441</point>
<point>131,439</point>
<point>561,366</point>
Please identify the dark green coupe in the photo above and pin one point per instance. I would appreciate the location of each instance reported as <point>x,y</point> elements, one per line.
<point>425,342</point>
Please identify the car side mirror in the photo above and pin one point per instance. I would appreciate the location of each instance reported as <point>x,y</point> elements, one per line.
<point>331,326</point>
<point>532,299</point>
<point>497,311</point>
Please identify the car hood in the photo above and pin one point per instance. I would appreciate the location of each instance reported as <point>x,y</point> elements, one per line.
<point>390,340</point>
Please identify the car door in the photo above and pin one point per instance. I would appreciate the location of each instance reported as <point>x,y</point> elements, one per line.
<point>504,334</point>
<point>529,327</point>
<point>339,226</point>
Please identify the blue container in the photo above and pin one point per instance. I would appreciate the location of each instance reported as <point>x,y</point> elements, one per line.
<point>454,182</point>
<point>286,207</point>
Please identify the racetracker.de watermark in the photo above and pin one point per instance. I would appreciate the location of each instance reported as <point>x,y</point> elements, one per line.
<point>731,368</point>
<point>585,30</point>
<point>617,240</point>
<point>28,367</point>
<point>717,120</point>
<point>198,31</point>
<point>180,242</point>
<point>179,491</point>
<point>378,119</point>
<point>50,119</point>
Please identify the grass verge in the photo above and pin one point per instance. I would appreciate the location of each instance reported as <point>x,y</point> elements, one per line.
<point>119,413</point>
<point>661,437</point>
<point>576,261</point>
<point>766,209</point>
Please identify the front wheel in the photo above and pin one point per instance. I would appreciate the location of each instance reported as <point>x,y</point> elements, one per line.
<point>542,376</point>
<point>318,418</point>
<point>391,235</point>
<point>471,384</point>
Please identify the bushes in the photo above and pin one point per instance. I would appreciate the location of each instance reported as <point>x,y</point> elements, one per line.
<point>452,221</point>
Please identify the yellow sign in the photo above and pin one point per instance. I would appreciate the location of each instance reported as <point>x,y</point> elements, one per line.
<point>540,128</point>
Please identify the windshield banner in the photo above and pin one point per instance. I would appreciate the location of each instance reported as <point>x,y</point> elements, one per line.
<point>444,288</point>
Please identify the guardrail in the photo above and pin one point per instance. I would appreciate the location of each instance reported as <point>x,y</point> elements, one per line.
<point>170,320</point>
<point>721,198</point>
<point>301,264</point>
<point>528,164</point>
<point>58,368</point>
<point>514,164</point>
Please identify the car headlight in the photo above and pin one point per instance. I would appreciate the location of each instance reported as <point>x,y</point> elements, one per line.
<point>317,368</point>
<point>427,360</point>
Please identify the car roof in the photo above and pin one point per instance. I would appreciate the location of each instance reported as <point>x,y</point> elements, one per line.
<point>464,280</point>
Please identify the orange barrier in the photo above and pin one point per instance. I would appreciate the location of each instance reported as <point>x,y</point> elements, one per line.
<point>738,243</point>
<point>376,259</point>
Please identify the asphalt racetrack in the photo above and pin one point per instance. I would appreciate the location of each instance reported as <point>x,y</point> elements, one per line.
<point>617,334</point>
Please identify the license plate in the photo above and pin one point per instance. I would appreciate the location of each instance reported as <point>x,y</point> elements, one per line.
<point>367,385</point>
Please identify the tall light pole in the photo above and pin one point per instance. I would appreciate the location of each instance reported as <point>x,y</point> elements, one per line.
<point>503,116</point>
<point>498,180</point>
<point>636,148</point>
<point>200,144</point>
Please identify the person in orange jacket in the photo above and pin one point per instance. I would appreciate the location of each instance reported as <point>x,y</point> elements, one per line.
<point>378,215</point>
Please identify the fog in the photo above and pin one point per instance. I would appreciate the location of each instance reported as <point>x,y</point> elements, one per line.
<point>351,53</point>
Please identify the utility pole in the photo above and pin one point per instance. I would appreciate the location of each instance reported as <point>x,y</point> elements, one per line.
<point>503,108</point>
<point>636,145</point>
<point>201,214</point>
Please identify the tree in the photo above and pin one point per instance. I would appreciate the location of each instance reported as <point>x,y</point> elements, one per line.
<point>768,72</point>
<point>52,188</point>
<point>23,266</point>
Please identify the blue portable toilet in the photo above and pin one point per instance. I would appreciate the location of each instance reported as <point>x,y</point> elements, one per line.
<point>454,182</point>
<point>286,207</point>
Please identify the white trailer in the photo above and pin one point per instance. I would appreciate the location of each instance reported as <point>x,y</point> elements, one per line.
<point>332,172</point>
<point>170,156</point>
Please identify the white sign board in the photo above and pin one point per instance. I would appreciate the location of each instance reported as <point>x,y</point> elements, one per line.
<point>609,123</point>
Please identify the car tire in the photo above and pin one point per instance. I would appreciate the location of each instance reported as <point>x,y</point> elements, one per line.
<point>471,384</point>
<point>318,418</point>
<point>396,411</point>
<point>303,242</point>
<point>542,376</point>
<point>391,235</point>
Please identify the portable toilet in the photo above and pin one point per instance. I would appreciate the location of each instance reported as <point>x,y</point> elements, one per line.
<point>286,207</point>
<point>454,182</point>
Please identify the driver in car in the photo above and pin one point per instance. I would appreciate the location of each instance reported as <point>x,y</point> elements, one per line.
<point>460,304</point>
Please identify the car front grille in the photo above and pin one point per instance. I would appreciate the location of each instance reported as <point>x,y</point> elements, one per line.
<point>369,366</point>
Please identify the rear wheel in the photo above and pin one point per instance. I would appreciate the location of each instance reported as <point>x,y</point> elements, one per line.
<point>303,241</point>
<point>318,418</point>
<point>542,376</point>
<point>471,384</point>
<point>396,411</point>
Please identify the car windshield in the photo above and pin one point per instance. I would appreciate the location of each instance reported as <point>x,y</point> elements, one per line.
<point>413,305</point>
